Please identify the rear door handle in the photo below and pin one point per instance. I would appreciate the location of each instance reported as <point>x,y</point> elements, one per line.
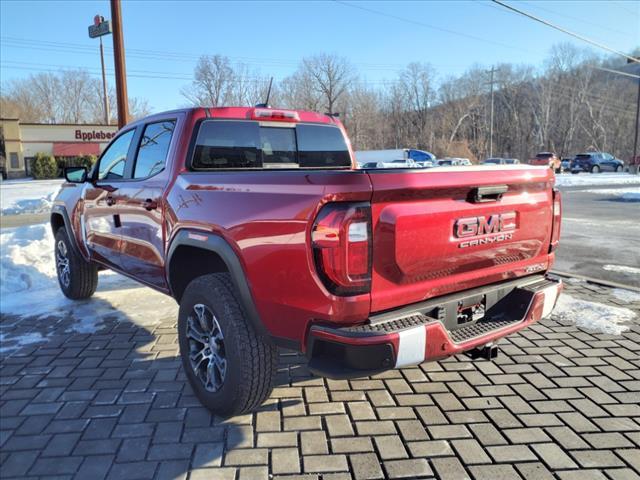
<point>149,204</point>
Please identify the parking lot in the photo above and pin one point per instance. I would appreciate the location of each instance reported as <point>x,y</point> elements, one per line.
<point>600,232</point>
<point>559,402</point>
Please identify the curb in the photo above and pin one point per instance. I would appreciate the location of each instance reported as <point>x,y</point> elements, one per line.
<point>596,281</point>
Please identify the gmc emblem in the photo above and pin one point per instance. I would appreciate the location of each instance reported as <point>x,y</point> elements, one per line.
<point>503,224</point>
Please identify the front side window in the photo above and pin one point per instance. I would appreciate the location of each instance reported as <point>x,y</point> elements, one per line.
<point>113,160</point>
<point>154,146</point>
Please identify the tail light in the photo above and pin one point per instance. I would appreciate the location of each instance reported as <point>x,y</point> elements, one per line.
<point>341,242</point>
<point>275,115</point>
<point>557,218</point>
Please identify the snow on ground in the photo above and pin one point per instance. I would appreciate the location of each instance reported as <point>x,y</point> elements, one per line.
<point>588,179</point>
<point>29,288</point>
<point>626,295</point>
<point>27,196</point>
<point>622,269</point>
<point>593,316</point>
<point>629,194</point>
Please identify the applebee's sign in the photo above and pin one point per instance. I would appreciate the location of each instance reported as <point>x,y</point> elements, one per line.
<point>94,135</point>
<point>100,27</point>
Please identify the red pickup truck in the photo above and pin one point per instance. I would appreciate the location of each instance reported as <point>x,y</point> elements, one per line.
<point>259,224</point>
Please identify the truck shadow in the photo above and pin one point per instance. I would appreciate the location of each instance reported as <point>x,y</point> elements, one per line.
<point>116,384</point>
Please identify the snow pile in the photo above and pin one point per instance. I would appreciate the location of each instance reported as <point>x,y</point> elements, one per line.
<point>593,316</point>
<point>626,295</point>
<point>28,196</point>
<point>588,179</point>
<point>29,287</point>
<point>622,269</point>
<point>629,194</point>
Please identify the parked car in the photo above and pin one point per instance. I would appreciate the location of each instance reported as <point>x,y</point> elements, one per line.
<point>406,163</point>
<point>492,161</point>
<point>454,162</point>
<point>369,165</point>
<point>421,157</point>
<point>256,221</point>
<point>596,162</point>
<point>547,159</point>
<point>500,161</point>
<point>565,164</point>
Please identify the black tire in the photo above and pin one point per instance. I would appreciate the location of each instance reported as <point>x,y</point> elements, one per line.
<point>575,172</point>
<point>80,279</point>
<point>249,358</point>
<point>619,169</point>
<point>595,169</point>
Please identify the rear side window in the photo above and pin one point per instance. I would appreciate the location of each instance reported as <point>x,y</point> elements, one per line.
<point>240,144</point>
<point>227,144</point>
<point>154,146</point>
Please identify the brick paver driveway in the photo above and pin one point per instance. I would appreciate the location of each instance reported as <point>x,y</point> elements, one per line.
<point>558,403</point>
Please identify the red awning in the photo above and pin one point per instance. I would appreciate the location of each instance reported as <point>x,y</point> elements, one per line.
<point>66,149</point>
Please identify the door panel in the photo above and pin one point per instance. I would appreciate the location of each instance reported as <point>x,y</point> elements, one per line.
<point>142,249</point>
<point>101,215</point>
<point>100,219</point>
<point>142,245</point>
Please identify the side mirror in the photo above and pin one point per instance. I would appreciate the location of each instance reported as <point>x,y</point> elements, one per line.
<point>75,174</point>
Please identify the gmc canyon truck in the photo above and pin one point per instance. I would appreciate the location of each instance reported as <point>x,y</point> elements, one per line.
<point>259,224</point>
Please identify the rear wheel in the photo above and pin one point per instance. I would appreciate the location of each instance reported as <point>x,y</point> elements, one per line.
<point>230,366</point>
<point>595,169</point>
<point>78,279</point>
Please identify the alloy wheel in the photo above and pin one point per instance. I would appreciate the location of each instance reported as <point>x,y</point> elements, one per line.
<point>207,354</point>
<point>62,264</point>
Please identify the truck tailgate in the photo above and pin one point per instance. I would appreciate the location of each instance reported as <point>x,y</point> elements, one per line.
<point>444,230</point>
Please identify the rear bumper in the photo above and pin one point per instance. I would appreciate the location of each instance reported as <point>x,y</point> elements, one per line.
<point>424,332</point>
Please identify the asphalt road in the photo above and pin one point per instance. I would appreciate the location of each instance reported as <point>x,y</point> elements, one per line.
<point>600,236</point>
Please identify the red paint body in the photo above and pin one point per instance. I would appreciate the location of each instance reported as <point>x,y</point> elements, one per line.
<point>266,217</point>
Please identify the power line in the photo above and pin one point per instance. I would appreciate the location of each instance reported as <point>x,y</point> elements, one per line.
<point>586,22</point>
<point>563,30</point>
<point>626,74</point>
<point>65,47</point>
<point>432,27</point>
<point>619,4</point>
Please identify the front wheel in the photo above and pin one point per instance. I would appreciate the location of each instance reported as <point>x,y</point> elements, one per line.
<point>619,169</point>
<point>230,366</point>
<point>78,279</point>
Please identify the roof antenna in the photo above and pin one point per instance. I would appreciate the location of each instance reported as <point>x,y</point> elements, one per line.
<point>266,103</point>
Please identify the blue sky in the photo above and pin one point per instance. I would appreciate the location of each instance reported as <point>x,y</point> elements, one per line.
<point>164,38</point>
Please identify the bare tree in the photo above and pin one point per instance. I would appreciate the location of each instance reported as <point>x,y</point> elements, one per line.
<point>328,76</point>
<point>213,81</point>
<point>71,96</point>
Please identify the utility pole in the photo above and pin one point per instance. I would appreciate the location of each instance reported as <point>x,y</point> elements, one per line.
<point>121,69</point>
<point>491,72</point>
<point>105,93</point>
<point>100,28</point>
<point>635,159</point>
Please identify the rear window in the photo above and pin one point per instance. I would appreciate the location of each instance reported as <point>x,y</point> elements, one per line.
<point>246,144</point>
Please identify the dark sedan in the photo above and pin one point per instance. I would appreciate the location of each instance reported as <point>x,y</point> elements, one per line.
<point>596,162</point>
